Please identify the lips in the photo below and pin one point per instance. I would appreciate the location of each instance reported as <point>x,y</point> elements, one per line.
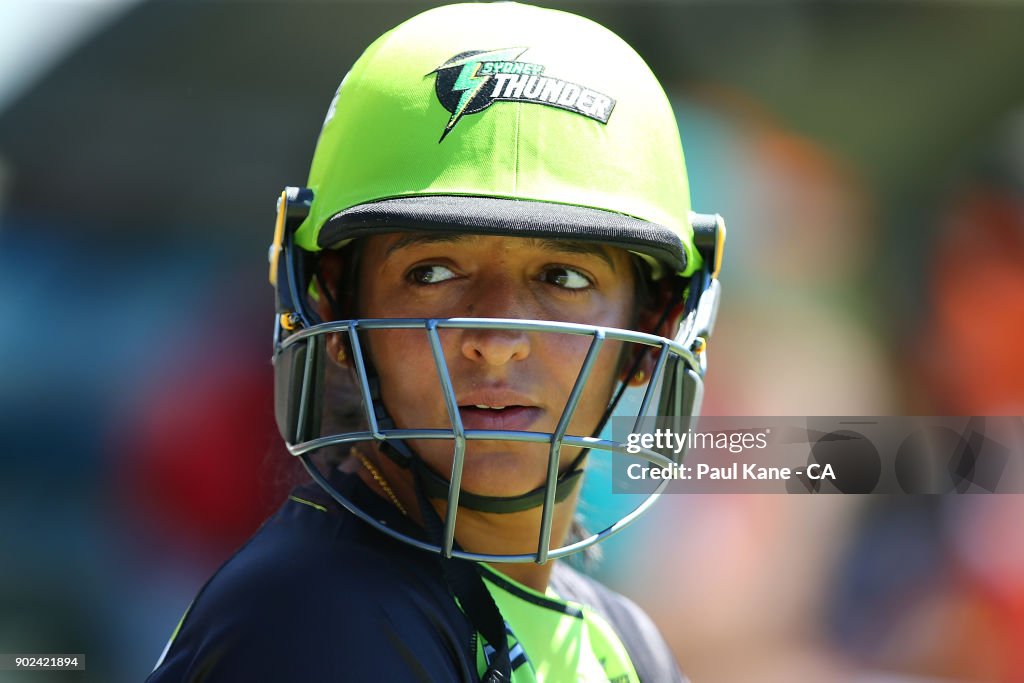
<point>498,409</point>
<point>517,418</point>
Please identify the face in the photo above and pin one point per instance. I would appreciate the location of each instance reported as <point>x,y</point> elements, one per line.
<point>503,379</point>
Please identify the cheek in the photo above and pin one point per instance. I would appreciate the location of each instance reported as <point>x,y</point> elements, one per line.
<point>598,391</point>
<point>605,375</point>
<point>405,366</point>
<point>565,360</point>
<point>622,309</point>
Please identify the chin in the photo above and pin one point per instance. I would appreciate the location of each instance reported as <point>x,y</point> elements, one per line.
<point>497,468</point>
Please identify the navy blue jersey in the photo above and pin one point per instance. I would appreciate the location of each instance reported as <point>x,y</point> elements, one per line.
<point>316,594</point>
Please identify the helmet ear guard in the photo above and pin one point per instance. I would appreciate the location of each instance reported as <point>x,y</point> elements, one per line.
<point>683,388</point>
<point>287,273</point>
<point>298,368</point>
<point>299,389</point>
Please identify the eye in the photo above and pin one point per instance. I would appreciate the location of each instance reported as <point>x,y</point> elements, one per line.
<point>429,275</point>
<point>566,278</point>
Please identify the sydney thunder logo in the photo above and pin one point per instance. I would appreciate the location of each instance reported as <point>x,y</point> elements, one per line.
<point>470,82</point>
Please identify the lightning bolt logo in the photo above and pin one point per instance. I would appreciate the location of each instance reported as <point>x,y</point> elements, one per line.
<point>469,83</point>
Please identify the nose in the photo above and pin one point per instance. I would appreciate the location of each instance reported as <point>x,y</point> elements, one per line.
<point>498,298</point>
<point>495,347</point>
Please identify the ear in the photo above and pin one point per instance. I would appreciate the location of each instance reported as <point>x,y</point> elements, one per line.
<point>660,317</point>
<point>330,272</point>
<point>330,269</point>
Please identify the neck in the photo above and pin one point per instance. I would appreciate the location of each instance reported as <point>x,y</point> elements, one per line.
<point>535,576</point>
<point>514,534</point>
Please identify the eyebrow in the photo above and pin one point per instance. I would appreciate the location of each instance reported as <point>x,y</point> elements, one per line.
<point>557,245</point>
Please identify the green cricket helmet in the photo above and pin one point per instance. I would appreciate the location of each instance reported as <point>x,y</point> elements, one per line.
<point>495,119</point>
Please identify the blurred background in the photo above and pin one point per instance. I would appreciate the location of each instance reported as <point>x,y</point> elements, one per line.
<point>869,158</point>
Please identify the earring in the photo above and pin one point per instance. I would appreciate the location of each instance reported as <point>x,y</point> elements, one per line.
<point>640,376</point>
<point>342,356</point>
